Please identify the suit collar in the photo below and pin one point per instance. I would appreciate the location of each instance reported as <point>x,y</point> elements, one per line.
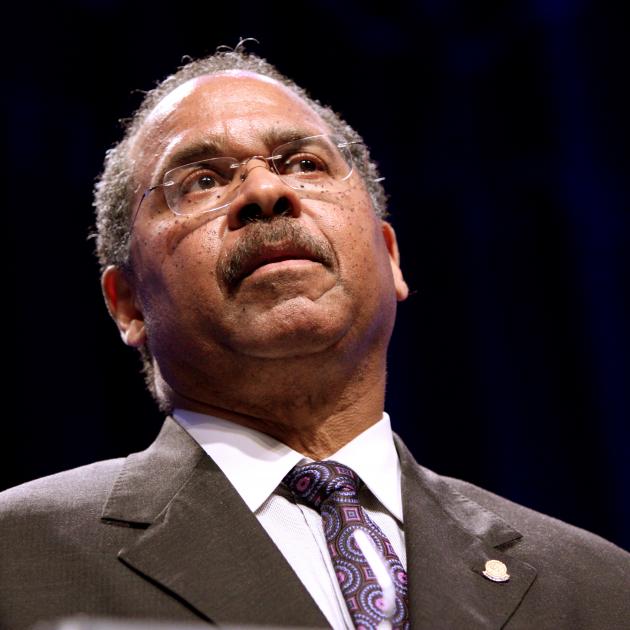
<point>449,539</point>
<point>255,463</point>
<point>149,479</point>
<point>202,543</point>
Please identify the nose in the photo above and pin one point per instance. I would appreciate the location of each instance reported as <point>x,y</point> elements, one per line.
<point>262,195</point>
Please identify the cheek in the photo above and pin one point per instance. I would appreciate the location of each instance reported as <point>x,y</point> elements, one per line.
<point>175,236</point>
<point>175,255</point>
<point>354,231</point>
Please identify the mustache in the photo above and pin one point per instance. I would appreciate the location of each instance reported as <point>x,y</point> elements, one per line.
<point>264,233</point>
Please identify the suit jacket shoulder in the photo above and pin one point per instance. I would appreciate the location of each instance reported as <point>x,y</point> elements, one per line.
<point>558,576</point>
<point>69,491</point>
<point>542,531</point>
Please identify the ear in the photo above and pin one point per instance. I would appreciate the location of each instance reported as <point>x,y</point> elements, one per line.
<point>120,297</point>
<point>402,290</point>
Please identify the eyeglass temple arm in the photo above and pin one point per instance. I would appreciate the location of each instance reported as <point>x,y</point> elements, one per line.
<point>342,145</point>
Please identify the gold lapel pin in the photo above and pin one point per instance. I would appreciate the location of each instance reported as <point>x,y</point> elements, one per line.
<point>496,571</point>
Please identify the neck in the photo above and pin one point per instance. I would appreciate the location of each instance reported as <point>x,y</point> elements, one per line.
<point>314,417</point>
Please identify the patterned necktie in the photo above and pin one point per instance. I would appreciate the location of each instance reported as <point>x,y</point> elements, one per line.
<point>332,489</point>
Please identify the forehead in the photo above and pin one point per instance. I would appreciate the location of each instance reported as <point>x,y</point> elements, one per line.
<point>237,107</point>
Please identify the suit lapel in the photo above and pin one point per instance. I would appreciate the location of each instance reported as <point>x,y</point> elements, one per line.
<point>203,544</point>
<point>449,539</point>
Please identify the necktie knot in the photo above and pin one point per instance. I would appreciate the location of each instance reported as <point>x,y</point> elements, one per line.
<point>323,482</point>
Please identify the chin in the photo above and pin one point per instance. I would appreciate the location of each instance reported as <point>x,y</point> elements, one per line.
<point>291,337</point>
<point>293,327</point>
<point>286,346</point>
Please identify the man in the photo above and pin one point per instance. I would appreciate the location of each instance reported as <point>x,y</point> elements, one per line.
<point>244,254</point>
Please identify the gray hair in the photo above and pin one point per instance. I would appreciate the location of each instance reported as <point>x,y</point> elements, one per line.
<point>113,192</point>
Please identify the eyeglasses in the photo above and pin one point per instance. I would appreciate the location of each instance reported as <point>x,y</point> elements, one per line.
<point>312,165</point>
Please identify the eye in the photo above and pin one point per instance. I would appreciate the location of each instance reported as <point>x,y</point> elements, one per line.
<point>201,180</point>
<point>307,164</point>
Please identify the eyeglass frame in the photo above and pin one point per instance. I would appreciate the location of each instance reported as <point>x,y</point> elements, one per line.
<point>243,176</point>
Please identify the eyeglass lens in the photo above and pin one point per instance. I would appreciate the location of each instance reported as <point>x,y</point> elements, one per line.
<point>311,165</point>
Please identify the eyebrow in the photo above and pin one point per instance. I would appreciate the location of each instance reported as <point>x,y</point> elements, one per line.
<point>216,146</point>
<point>205,148</point>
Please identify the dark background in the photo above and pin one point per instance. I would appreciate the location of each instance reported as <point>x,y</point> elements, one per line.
<point>502,131</point>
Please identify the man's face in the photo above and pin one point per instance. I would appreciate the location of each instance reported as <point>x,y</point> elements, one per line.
<point>311,274</point>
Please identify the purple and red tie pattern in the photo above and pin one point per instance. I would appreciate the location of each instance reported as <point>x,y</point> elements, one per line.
<point>332,489</point>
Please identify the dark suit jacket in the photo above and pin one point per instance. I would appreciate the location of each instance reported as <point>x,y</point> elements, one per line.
<point>162,534</point>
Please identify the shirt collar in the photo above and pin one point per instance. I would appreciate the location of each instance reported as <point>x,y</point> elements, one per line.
<point>255,463</point>
<point>373,456</point>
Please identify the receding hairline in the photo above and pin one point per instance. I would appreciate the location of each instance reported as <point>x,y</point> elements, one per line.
<point>182,91</point>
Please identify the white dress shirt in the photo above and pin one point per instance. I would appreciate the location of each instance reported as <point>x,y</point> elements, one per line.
<point>256,463</point>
